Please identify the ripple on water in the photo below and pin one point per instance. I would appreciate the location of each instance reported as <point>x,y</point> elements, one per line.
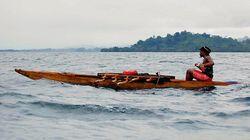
<point>90,108</point>
<point>16,95</point>
<point>243,99</point>
<point>242,113</point>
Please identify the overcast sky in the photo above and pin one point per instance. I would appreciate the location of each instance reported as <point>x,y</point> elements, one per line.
<point>28,24</point>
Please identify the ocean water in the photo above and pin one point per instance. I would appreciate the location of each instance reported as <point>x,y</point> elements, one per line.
<point>50,110</point>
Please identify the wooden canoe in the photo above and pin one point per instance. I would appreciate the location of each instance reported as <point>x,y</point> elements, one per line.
<point>119,81</point>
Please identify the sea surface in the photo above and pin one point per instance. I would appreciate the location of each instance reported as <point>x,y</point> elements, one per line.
<point>41,110</point>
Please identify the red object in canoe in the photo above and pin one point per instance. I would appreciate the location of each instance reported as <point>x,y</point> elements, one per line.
<point>130,72</point>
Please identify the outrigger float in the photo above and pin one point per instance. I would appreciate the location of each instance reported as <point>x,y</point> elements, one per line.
<point>121,81</point>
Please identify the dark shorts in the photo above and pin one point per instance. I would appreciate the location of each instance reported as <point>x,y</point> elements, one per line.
<point>198,75</point>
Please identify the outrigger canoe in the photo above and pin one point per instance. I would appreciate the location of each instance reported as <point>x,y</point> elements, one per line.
<point>119,81</point>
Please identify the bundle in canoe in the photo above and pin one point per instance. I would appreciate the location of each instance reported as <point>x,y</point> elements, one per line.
<point>121,81</point>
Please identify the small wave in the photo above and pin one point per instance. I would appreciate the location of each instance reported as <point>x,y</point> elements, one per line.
<point>192,124</point>
<point>242,113</point>
<point>91,108</point>
<point>187,121</point>
<point>163,61</point>
<point>100,109</point>
<point>171,61</point>
<point>168,110</point>
<point>244,99</point>
<point>219,114</point>
<point>241,87</point>
<point>14,94</point>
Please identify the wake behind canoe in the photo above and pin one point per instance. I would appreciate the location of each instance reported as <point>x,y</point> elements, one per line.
<point>120,81</point>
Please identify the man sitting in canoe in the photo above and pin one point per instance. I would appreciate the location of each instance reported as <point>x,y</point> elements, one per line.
<point>206,67</point>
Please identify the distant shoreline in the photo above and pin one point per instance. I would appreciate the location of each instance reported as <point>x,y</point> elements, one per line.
<point>120,52</point>
<point>54,50</point>
<point>178,42</point>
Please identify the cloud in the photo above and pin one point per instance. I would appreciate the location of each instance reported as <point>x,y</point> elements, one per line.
<point>63,23</point>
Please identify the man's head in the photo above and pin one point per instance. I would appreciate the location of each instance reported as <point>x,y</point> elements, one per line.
<point>204,51</point>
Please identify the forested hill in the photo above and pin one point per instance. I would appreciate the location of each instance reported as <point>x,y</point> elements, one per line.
<point>185,42</point>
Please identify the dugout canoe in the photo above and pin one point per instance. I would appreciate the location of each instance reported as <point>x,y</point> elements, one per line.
<point>119,81</point>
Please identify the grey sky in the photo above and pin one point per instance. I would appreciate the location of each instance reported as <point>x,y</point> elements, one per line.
<point>69,23</point>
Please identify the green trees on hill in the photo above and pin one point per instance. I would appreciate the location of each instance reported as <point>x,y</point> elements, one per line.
<point>185,41</point>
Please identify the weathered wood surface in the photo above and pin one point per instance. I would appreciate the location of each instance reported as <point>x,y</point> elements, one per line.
<point>119,81</point>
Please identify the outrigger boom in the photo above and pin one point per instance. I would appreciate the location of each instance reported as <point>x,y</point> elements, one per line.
<point>120,81</point>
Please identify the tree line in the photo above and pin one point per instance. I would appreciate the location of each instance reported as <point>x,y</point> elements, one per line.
<point>185,42</point>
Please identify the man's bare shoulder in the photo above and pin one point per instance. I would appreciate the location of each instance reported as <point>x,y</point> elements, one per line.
<point>208,57</point>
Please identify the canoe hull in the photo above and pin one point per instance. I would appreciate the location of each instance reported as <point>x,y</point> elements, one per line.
<point>98,81</point>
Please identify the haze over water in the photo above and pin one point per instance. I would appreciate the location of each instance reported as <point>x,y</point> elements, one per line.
<point>50,110</point>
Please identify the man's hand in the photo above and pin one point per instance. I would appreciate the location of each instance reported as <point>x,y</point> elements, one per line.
<point>200,66</point>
